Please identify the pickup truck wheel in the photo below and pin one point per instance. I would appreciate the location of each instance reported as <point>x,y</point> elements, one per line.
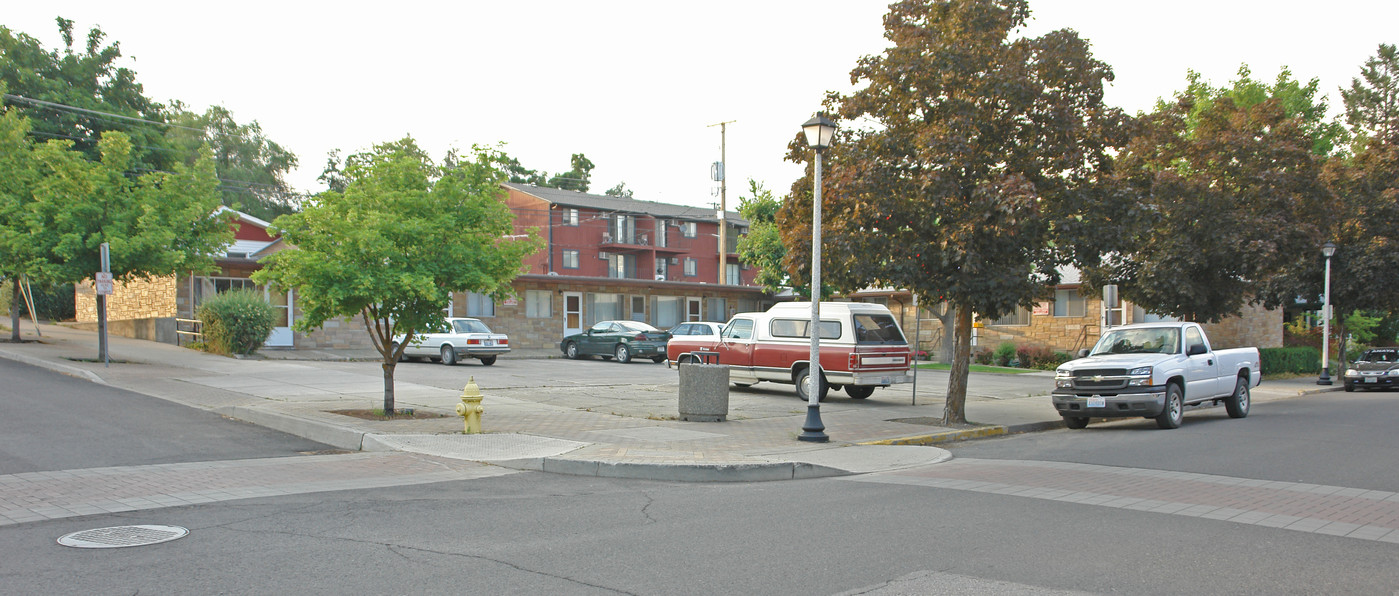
<point>804,382</point>
<point>488,360</point>
<point>859,391</point>
<point>1175,408</point>
<point>1237,404</point>
<point>449,355</point>
<point>571,350</point>
<point>623,353</point>
<point>1075,422</point>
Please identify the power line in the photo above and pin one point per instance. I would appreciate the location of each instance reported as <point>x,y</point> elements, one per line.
<point>59,106</point>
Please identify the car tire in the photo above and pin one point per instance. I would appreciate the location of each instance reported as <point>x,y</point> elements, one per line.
<point>658,359</point>
<point>449,355</point>
<point>623,353</point>
<point>1076,422</point>
<point>1174,411</point>
<point>1237,405</point>
<point>1350,387</point>
<point>488,360</point>
<point>571,350</point>
<point>803,383</point>
<point>394,348</point>
<point>859,391</point>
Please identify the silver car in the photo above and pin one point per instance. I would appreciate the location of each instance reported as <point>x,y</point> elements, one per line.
<point>459,338</point>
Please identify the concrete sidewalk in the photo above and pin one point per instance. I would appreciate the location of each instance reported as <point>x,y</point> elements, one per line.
<point>531,428</point>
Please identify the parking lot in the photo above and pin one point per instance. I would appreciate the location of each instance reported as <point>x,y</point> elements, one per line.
<point>645,389</point>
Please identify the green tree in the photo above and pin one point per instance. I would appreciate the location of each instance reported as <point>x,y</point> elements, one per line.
<point>1297,101</point>
<point>57,208</point>
<point>404,235</point>
<point>762,246</point>
<point>620,190</point>
<point>251,167</point>
<point>976,180</point>
<point>576,179</point>
<point>78,95</point>
<point>1372,102</point>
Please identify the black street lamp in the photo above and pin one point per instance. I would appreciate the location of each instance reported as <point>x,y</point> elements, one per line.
<point>819,131</point>
<point>1327,250</point>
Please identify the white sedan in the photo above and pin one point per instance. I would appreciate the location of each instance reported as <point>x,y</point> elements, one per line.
<point>459,338</point>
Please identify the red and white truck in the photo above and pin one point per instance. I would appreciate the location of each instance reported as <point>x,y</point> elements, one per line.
<point>862,348</point>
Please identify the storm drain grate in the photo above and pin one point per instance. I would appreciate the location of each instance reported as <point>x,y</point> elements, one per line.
<point>122,536</point>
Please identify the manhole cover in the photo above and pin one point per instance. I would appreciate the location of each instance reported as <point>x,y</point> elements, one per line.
<point>120,536</point>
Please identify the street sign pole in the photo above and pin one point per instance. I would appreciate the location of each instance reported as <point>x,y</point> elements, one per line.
<point>104,288</point>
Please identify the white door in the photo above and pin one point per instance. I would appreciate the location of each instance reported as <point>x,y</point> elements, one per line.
<point>282,305</point>
<point>572,313</point>
<point>692,310</point>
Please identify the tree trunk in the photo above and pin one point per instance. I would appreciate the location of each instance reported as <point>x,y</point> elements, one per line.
<point>389,365</point>
<point>946,344</point>
<point>15,301</point>
<point>955,411</point>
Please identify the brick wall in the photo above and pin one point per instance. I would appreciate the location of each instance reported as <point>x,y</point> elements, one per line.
<point>1256,326</point>
<point>336,334</point>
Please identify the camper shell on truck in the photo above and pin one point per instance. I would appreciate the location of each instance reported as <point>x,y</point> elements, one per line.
<point>862,348</point>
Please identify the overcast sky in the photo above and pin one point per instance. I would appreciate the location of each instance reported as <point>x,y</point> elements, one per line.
<point>635,85</point>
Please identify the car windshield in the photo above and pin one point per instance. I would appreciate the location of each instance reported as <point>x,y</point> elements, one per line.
<point>472,326</point>
<point>638,327</point>
<point>1380,356</point>
<point>1160,340</point>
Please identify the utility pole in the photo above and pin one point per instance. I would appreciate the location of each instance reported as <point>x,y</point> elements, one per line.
<point>722,178</point>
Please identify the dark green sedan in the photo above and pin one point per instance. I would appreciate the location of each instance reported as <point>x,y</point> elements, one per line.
<point>622,340</point>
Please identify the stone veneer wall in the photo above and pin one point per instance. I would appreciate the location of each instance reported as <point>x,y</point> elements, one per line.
<point>1061,334</point>
<point>1255,326</point>
<point>137,299</point>
<point>336,334</point>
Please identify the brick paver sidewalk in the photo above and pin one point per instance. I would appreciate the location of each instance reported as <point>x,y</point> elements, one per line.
<point>1334,510</point>
<point>37,496</point>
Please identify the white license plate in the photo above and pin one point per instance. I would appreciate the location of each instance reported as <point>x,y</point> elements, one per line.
<point>1097,401</point>
<point>1371,380</point>
<point>490,342</point>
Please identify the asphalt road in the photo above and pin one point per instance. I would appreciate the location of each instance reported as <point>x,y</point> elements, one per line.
<point>56,422</point>
<point>531,533</point>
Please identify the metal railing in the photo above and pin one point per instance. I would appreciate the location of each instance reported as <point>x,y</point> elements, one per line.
<point>188,330</point>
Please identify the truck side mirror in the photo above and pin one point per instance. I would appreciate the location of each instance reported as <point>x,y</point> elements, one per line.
<point>1195,349</point>
<point>1083,353</point>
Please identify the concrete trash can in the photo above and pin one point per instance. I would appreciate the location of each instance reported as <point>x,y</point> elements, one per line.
<point>704,392</point>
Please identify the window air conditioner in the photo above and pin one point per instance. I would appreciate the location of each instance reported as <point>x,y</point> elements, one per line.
<point>675,260</point>
<point>606,238</point>
<point>602,255</point>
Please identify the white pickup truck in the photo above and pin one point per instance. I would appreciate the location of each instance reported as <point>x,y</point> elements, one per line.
<point>1154,370</point>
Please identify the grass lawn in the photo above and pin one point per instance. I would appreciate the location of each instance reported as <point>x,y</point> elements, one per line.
<point>979,368</point>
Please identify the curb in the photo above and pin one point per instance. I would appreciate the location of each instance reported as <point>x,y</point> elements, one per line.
<point>942,437</point>
<point>60,368</point>
<point>321,432</point>
<point>735,472</point>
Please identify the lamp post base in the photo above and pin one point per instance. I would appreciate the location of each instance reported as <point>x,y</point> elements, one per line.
<point>812,430</point>
<point>1325,376</point>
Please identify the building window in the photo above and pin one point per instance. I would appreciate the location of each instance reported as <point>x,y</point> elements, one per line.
<point>689,229</point>
<point>1139,315</point>
<point>718,310</point>
<point>538,304</point>
<point>732,274</point>
<point>621,266</point>
<point>570,259</point>
<point>667,311</point>
<point>570,217</point>
<point>603,307</point>
<point>691,267</point>
<point>479,305</point>
<point>1069,303</point>
<point>1021,316</point>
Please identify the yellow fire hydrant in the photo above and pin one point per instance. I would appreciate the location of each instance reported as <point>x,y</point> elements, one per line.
<point>470,407</point>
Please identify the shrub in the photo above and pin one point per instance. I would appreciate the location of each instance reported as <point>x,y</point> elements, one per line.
<point>236,322</point>
<point>1290,360</point>
<point>982,356</point>
<point>1004,353</point>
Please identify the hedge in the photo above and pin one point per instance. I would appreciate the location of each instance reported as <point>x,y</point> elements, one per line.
<point>1290,360</point>
<point>236,322</point>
